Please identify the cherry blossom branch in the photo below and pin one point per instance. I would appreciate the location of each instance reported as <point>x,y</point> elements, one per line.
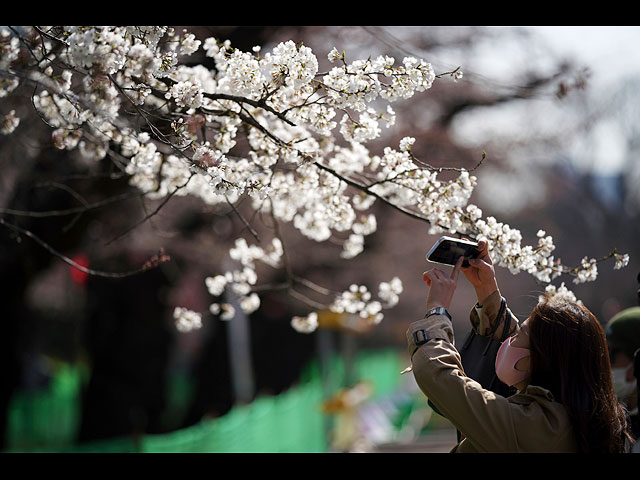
<point>261,103</point>
<point>197,114</point>
<point>445,169</point>
<point>240,100</point>
<point>368,191</point>
<point>50,37</point>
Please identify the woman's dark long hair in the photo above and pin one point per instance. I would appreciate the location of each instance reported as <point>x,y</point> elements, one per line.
<point>569,357</point>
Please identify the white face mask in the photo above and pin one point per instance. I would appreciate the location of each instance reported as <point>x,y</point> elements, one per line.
<point>621,386</point>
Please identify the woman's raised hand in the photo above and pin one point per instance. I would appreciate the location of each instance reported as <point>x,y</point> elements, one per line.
<point>481,273</point>
<point>442,286</point>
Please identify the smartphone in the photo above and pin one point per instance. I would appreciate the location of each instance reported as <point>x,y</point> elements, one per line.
<point>447,250</point>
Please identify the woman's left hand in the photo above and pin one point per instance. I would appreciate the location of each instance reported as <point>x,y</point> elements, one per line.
<point>442,286</point>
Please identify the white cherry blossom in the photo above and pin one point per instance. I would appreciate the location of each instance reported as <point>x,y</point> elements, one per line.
<point>268,127</point>
<point>187,320</point>
<point>9,122</point>
<point>306,324</point>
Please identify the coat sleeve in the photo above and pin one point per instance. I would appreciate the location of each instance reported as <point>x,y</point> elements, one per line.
<point>483,417</point>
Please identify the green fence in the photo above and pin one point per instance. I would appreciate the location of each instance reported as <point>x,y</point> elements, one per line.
<point>47,421</point>
<point>46,417</point>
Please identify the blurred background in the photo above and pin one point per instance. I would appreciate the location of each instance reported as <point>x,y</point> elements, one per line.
<point>95,365</point>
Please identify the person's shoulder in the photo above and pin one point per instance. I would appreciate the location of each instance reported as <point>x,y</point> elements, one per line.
<point>532,394</point>
<point>542,424</point>
<point>539,404</point>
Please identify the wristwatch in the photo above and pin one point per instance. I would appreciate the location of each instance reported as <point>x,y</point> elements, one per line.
<point>438,311</point>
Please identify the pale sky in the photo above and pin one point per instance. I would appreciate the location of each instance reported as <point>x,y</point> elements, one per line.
<point>609,51</point>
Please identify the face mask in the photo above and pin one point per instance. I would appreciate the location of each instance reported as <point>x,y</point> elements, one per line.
<point>622,387</point>
<point>506,360</point>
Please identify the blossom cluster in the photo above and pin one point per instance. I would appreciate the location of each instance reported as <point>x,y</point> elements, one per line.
<point>621,260</point>
<point>303,158</point>
<point>559,293</point>
<point>241,280</point>
<point>356,300</point>
<point>357,84</point>
<point>9,49</point>
<point>239,284</point>
<point>307,324</point>
<point>186,320</point>
<point>9,122</point>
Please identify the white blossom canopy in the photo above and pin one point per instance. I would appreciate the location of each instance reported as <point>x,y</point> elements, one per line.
<point>304,159</point>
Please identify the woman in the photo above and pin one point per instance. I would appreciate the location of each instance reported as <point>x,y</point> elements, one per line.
<point>557,360</point>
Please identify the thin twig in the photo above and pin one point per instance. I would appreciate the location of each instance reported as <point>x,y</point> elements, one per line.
<point>242,219</point>
<point>453,169</point>
<point>70,211</point>
<point>153,262</point>
<point>313,286</point>
<point>305,299</point>
<point>149,215</point>
<point>49,36</point>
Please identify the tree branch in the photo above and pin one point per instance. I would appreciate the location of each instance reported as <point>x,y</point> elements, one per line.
<point>366,189</point>
<point>151,263</point>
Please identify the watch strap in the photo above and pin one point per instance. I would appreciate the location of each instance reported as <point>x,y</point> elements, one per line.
<point>438,311</point>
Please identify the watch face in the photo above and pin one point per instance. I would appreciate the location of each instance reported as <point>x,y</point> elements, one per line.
<point>439,311</point>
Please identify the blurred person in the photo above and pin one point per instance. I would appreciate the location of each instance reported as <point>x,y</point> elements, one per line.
<point>623,338</point>
<point>556,359</point>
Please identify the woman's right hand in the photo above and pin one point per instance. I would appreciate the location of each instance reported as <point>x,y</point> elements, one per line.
<point>481,273</point>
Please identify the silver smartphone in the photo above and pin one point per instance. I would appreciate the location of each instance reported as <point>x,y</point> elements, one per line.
<point>447,250</point>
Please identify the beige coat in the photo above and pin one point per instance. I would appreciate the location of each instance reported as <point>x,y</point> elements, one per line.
<point>529,421</point>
